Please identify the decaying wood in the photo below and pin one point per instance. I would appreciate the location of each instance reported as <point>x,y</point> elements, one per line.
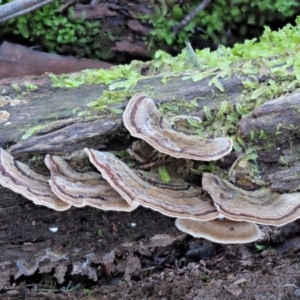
<point>278,118</point>
<point>50,105</point>
<point>13,56</point>
<point>68,133</point>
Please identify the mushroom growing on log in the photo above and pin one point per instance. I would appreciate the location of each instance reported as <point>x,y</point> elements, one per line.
<point>190,205</point>
<point>186,203</point>
<point>22,180</point>
<point>46,141</point>
<point>221,230</point>
<point>261,206</point>
<point>143,120</point>
<point>81,189</point>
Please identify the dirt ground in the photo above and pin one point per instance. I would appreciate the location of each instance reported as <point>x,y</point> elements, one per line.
<point>90,254</point>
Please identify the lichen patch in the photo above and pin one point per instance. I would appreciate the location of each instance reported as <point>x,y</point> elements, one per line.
<point>4,100</point>
<point>4,116</point>
<point>15,102</point>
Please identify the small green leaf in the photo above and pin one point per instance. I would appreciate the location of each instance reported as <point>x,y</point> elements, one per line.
<point>207,113</point>
<point>191,56</point>
<point>168,106</point>
<point>194,122</point>
<point>76,109</point>
<point>16,87</point>
<point>164,80</point>
<point>29,86</point>
<point>252,156</point>
<point>177,13</point>
<point>124,84</point>
<point>164,174</point>
<point>217,83</point>
<point>241,110</point>
<point>260,247</point>
<point>240,140</point>
<point>116,110</point>
<point>262,135</point>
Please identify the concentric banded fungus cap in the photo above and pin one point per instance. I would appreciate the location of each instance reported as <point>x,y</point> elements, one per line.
<point>187,203</point>
<point>21,179</point>
<point>80,189</point>
<point>143,120</point>
<point>261,206</point>
<point>222,231</point>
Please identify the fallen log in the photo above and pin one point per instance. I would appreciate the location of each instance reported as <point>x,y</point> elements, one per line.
<point>39,119</point>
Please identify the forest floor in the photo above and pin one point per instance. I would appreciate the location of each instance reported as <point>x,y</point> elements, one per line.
<point>138,255</point>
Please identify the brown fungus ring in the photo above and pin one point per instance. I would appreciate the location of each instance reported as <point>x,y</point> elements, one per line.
<point>81,189</point>
<point>143,120</point>
<point>189,202</point>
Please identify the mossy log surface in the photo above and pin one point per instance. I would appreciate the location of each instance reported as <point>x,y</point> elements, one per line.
<point>56,106</point>
<point>67,133</point>
<point>54,113</point>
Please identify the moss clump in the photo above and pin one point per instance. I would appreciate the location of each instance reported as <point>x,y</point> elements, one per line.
<point>275,55</point>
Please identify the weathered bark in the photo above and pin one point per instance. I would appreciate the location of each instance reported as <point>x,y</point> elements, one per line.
<point>274,123</point>
<point>69,133</point>
<point>48,105</point>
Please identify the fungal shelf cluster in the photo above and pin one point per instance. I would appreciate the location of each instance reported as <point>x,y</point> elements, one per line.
<point>218,211</point>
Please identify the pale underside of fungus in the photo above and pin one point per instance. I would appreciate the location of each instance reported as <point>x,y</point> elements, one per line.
<point>22,180</point>
<point>81,189</point>
<point>221,230</point>
<point>261,206</point>
<point>190,202</point>
<point>143,120</point>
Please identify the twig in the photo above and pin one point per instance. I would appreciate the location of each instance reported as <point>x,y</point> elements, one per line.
<point>123,298</point>
<point>154,267</point>
<point>20,7</point>
<point>154,164</point>
<point>190,16</point>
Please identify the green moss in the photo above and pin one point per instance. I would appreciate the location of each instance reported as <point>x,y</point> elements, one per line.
<point>29,86</point>
<point>15,87</point>
<point>33,131</point>
<point>164,174</point>
<point>172,108</point>
<point>205,278</point>
<point>274,55</point>
<point>270,55</point>
<point>207,167</point>
<point>108,99</point>
<point>123,76</point>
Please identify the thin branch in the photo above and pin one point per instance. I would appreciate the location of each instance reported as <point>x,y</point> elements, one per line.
<point>20,7</point>
<point>190,16</point>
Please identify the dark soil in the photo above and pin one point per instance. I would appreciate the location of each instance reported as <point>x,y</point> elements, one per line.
<point>138,255</point>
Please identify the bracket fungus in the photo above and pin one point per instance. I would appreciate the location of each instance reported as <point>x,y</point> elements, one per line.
<point>227,215</point>
<point>261,206</point>
<point>221,230</point>
<point>143,120</point>
<point>22,180</point>
<point>80,189</point>
<point>189,202</point>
